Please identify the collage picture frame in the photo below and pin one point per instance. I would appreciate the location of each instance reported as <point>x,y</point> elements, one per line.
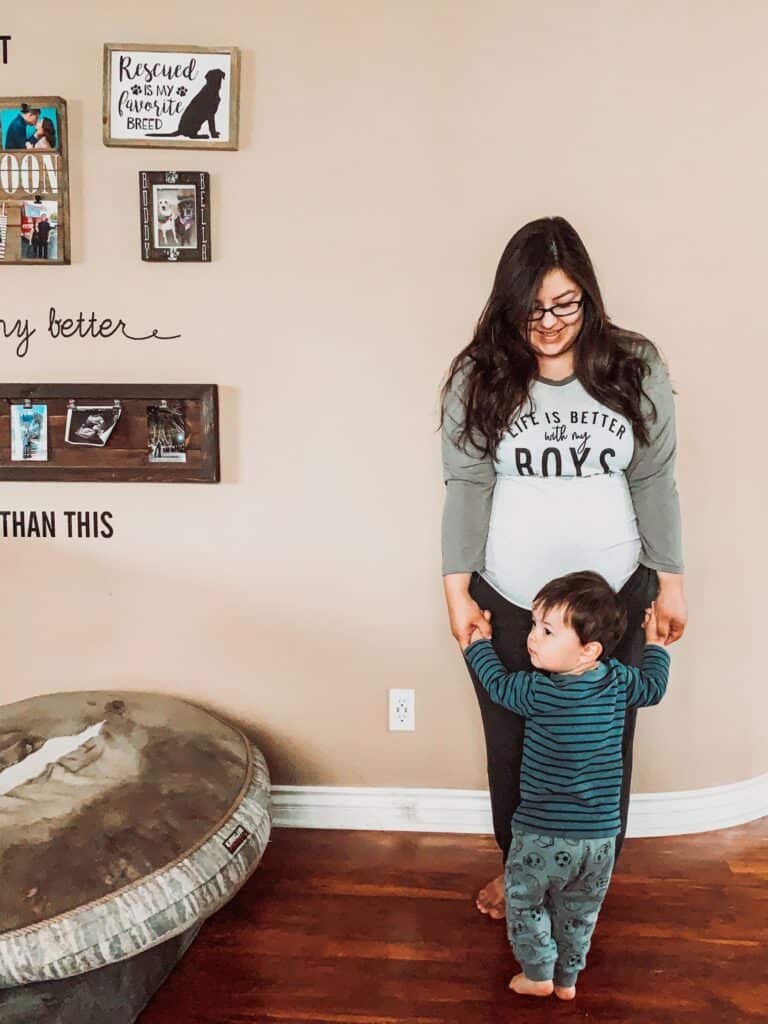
<point>34,181</point>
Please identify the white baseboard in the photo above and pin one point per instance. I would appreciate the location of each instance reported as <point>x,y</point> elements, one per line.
<point>469,810</point>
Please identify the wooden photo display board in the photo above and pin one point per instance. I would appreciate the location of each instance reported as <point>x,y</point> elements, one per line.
<point>69,417</point>
<point>34,181</point>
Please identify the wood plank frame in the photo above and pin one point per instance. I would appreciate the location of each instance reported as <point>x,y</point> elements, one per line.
<point>62,196</point>
<point>112,463</point>
<point>234,92</point>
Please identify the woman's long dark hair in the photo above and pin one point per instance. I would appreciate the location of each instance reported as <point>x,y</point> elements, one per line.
<point>500,365</point>
<point>49,132</point>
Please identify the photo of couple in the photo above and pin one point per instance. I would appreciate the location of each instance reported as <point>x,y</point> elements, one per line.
<point>39,224</point>
<point>30,127</point>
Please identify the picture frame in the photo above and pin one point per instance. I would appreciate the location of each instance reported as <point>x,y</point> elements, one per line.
<point>171,97</point>
<point>34,181</point>
<point>37,433</point>
<point>175,216</point>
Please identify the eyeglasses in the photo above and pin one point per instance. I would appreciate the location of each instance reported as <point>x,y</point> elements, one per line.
<point>561,311</point>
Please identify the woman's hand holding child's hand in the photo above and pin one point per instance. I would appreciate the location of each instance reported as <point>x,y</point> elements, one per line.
<point>652,635</point>
<point>476,633</point>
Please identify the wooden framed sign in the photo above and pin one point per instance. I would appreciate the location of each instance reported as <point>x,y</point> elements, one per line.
<point>175,216</point>
<point>185,97</point>
<point>34,181</point>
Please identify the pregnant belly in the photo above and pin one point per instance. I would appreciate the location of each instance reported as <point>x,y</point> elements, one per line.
<point>544,527</point>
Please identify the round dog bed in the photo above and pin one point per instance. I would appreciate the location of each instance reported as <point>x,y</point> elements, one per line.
<point>117,993</point>
<point>125,819</point>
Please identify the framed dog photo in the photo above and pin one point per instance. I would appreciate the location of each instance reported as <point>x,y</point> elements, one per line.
<point>185,97</point>
<point>175,216</point>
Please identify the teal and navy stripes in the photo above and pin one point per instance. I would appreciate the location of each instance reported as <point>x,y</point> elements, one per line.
<point>570,778</point>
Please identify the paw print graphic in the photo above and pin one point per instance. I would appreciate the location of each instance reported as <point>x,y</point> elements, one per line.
<point>135,89</point>
<point>536,914</point>
<point>603,853</point>
<point>182,90</point>
<point>562,859</point>
<point>574,960</point>
<point>533,860</point>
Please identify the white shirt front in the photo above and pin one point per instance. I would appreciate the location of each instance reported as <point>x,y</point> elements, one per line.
<point>561,501</point>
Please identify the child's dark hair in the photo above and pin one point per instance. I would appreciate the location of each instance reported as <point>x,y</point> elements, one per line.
<point>590,606</point>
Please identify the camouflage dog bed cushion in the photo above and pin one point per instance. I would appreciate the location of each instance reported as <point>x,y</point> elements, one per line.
<point>124,819</point>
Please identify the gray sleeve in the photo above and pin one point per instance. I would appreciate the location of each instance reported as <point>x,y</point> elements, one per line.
<point>469,481</point>
<point>651,477</point>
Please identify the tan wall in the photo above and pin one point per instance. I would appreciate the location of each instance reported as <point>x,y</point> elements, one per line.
<point>388,152</point>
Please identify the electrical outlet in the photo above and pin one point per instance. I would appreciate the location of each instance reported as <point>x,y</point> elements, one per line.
<point>402,710</point>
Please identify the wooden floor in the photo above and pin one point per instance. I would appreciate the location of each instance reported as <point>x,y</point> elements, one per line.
<point>380,928</point>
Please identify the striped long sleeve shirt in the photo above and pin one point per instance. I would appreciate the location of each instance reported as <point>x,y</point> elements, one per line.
<point>571,772</point>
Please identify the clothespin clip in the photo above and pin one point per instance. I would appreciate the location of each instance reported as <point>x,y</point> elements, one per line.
<point>27,403</point>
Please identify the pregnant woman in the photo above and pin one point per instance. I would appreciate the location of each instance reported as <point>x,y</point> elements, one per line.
<point>558,453</point>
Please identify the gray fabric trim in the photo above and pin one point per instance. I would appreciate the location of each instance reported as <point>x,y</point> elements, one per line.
<point>154,909</point>
<point>557,383</point>
<point>116,993</point>
<point>469,481</point>
<point>538,972</point>
<point>651,476</point>
<point>565,979</point>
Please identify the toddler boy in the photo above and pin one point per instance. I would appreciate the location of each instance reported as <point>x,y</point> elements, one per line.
<point>560,862</point>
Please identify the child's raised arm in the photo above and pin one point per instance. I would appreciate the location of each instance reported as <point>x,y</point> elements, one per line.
<point>513,690</point>
<point>648,684</point>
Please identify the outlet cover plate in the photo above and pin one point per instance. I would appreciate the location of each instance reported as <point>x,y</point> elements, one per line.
<point>402,710</point>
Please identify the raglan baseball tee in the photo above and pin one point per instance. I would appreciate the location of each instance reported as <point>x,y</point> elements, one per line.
<point>569,488</point>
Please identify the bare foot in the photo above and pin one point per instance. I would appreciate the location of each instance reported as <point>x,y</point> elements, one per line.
<point>490,899</point>
<point>525,987</point>
<point>565,993</point>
